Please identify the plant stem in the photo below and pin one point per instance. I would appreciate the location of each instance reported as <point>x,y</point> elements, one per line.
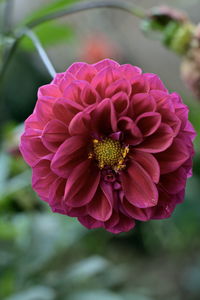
<point>7,18</point>
<point>82,6</point>
<point>41,52</point>
<point>77,7</point>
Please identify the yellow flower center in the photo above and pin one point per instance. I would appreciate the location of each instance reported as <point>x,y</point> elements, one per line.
<point>109,152</point>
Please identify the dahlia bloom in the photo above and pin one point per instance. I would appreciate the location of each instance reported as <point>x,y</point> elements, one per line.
<point>109,145</point>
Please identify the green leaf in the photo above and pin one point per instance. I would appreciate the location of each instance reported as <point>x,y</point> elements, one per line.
<point>49,34</point>
<point>95,294</point>
<point>33,293</point>
<point>87,268</point>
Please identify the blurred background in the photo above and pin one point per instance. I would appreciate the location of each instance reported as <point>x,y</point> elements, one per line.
<point>46,256</point>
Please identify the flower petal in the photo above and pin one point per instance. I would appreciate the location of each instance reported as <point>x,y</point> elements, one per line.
<point>148,162</point>
<point>69,154</point>
<point>138,186</point>
<point>132,134</point>
<point>100,207</point>
<point>104,78</point>
<point>82,184</point>
<point>56,195</point>
<point>65,109</point>
<point>148,122</point>
<point>90,222</point>
<point>54,134</point>
<point>75,67</point>
<point>154,82</point>
<point>165,206</point>
<point>141,103</point>
<point>121,103</point>
<point>141,214</point>
<point>174,182</point>
<point>43,178</point>
<point>172,158</point>
<point>104,118</point>
<point>158,141</point>
<point>89,96</point>
<point>121,85</point>
<point>86,72</point>
<point>124,224</point>
<point>73,91</point>
<point>81,123</point>
<point>105,63</point>
<point>130,71</point>
<point>32,148</point>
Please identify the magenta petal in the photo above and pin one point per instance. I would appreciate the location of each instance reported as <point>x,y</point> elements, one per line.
<point>105,63</point>
<point>165,207</point>
<point>32,148</point>
<point>124,224</point>
<point>138,186</point>
<point>104,117</point>
<point>129,71</point>
<point>174,182</point>
<point>89,96</point>
<point>148,162</point>
<point>80,124</point>
<point>54,134</point>
<point>141,103</point>
<point>190,131</point>
<point>121,103</point>
<point>148,122</point>
<point>113,220</point>
<point>82,184</point>
<point>76,211</point>
<point>33,123</point>
<point>103,79</point>
<point>47,95</point>
<point>139,85</point>
<point>65,81</point>
<point>73,91</point>
<point>69,155</point>
<point>56,195</point>
<point>173,157</point>
<point>65,109</point>
<point>86,72</point>
<point>100,207</point>
<point>136,213</point>
<point>58,78</point>
<point>132,134</point>
<point>75,67</point>
<point>43,178</point>
<point>51,91</point>
<point>158,141</point>
<point>90,222</point>
<point>155,82</point>
<point>121,85</point>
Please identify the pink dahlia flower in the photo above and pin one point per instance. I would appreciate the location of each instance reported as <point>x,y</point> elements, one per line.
<point>109,145</point>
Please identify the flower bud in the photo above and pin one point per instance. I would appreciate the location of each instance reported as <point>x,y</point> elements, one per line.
<point>172,27</point>
<point>190,67</point>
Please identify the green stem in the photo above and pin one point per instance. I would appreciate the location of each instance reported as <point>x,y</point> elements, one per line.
<point>77,7</point>
<point>7,18</point>
<point>82,6</point>
<point>41,52</point>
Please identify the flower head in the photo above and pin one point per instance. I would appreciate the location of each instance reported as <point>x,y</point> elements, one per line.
<point>109,145</point>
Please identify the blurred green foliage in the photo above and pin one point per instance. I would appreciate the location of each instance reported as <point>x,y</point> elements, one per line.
<point>49,34</point>
<point>53,6</point>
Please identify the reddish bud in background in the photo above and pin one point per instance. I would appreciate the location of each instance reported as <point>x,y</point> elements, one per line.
<point>97,47</point>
